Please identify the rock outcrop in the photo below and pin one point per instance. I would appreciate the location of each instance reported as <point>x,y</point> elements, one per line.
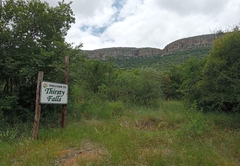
<point>123,53</point>
<point>184,44</point>
<point>189,43</point>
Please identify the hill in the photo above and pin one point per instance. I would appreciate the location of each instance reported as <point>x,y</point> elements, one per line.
<point>173,53</point>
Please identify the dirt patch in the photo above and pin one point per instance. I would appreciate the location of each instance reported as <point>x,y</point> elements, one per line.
<point>150,123</point>
<point>153,124</point>
<point>87,153</point>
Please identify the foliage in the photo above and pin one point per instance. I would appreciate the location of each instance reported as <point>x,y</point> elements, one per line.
<point>220,83</point>
<point>8,134</point>
<point>90,110</point>
<point>196,123</point>
<point>32,38</point>
<point>139,86</point>
<point>211,82</point>
<point>95,74</point>
<point>102,80</point>
<point>163,62</point>
<point>134,138</point>
<point>171,82</point>
<point>181,81</point>
<point>191,74</point>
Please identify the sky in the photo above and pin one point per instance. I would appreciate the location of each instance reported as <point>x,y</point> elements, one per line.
<point>147,23</point>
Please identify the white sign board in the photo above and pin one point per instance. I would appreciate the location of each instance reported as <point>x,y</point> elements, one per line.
<point>53,93</point>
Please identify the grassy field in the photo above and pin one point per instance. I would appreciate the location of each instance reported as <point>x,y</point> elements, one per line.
<point>168,135</point>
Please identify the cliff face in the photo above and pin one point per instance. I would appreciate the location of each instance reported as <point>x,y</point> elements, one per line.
<point>132,52</point>
<point>123,53</point>
<point>189,43</point>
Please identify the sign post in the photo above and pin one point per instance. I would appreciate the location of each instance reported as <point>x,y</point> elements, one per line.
<point>37,107</point>
<point>50,93</point>
<point>65,81</point>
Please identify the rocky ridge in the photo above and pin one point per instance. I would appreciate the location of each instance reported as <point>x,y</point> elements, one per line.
<point>184,44</point>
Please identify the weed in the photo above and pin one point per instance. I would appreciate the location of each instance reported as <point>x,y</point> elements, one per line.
<point>8,134</point>
<point>196,123</point>
<point>139,136</point>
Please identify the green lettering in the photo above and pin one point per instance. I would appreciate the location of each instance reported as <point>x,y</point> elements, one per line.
<point>56,99</point>
<point>49,98</point>
<point>54,91</point>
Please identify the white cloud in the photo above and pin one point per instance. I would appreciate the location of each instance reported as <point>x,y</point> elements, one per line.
<point>187,7</point>
<point>147,23</point>
<point>130,7</point>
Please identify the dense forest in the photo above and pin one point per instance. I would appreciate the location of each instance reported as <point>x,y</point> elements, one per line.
<point>32,36</point>
<point>163,63</point>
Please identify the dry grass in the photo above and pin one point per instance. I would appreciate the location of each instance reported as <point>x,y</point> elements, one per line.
<point>167,136</point>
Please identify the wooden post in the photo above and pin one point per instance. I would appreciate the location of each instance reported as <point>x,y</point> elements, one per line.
<point>65,81</point>
<point>37,107</point>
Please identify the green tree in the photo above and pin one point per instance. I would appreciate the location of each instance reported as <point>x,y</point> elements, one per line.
<point>171,82</point>
<point>139,86</point>
<point>221,75</point>
<point>150,86</point>
<point>190,78</point>
<point>125,84</point>
<point>94,74</point>
<point>32,38</point>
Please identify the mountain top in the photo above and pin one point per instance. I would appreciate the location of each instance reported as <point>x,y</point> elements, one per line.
<point>201,41</point>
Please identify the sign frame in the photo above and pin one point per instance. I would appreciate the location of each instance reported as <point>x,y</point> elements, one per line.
<point>56,94</point>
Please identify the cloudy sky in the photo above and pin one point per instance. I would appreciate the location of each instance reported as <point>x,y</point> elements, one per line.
<point>147,23</point>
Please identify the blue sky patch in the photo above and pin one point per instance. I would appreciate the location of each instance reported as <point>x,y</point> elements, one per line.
<point>98,30</point>
<point>118,4</point>
<point>84,28</point>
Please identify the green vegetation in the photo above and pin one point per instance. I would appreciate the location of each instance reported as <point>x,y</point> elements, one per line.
<point>220,82</point>
<point>183,109</point>
<point>32,38</point>
<point>213,81</point>
<point>162,63</point>
<point>168,135</point>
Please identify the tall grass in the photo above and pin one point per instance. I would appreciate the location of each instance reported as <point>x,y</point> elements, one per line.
<point>169,135</point>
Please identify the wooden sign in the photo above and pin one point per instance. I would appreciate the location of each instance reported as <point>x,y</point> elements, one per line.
<point>50,93</point>
<point>53,93</point>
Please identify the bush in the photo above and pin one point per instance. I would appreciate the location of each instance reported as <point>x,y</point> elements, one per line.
<point>220,83</point>
<point>196,123</point>
<point>8,134</point>
<point>99,110</point>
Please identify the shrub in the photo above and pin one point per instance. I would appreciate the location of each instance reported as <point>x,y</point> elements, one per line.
<point>196,123</point>
<point>8,134</point>
<point>220,83</point>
